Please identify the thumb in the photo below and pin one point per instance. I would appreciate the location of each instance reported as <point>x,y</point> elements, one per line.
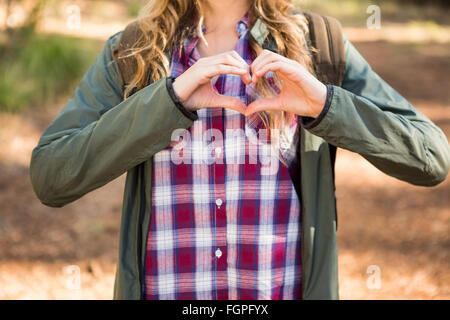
<point>229,102</point>
<point>262,105</point>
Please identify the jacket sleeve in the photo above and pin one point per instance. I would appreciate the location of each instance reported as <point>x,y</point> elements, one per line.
<point>369,117</point>
<point>98,135</point>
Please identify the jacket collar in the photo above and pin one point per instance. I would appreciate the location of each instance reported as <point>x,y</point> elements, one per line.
<point>262,36</point>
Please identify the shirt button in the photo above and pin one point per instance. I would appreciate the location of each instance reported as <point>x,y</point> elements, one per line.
<point>218,253</point>
<point>219,202</point>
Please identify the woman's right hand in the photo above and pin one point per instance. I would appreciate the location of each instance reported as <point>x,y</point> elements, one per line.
<point>194,86</point>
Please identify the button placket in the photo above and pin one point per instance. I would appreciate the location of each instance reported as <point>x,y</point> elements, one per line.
<point>219,253</point>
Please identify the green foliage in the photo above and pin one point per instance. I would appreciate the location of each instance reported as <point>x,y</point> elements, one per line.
<point>133,7</point>
<point>36,69</point>
<point>44,68</point>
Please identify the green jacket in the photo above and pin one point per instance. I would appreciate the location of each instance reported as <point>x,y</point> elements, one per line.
<point>97,137</point>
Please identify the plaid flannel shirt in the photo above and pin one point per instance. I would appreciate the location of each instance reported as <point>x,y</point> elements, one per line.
<point>225,215</point>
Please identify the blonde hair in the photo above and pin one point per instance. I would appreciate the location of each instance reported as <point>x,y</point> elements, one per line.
<point>166,23</point>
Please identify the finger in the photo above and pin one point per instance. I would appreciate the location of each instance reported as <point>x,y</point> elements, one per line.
<point>226,69</point>
<point>222,101</point>
<point>279,66</point>
<point>263,105</point>
<point>244,63</point>
<point>233,58</point>
<point>265,57</point>
<point>236,56</point>
<point>229,59</point>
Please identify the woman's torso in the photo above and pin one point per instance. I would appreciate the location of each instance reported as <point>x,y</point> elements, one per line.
<point>225,218</point>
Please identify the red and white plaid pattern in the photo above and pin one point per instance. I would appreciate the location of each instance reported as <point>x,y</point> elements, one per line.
<point>225,219</point>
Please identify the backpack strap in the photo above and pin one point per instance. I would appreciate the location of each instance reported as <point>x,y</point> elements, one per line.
<point>326,38</point>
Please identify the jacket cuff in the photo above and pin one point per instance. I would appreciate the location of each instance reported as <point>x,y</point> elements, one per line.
<point>190,114</point>
<point>309,122</point>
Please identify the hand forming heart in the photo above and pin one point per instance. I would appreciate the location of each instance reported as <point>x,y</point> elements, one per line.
<point>301,93</point>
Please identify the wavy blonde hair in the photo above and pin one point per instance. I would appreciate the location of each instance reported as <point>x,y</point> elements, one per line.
<point>166,23</point>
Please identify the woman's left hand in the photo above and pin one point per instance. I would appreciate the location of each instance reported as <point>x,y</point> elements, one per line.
<point>301,92</point>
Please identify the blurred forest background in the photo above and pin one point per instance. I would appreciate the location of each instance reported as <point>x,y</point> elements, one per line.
<point>387,228</point>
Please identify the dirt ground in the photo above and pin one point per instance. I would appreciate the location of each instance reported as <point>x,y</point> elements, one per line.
<point>400,230</point>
